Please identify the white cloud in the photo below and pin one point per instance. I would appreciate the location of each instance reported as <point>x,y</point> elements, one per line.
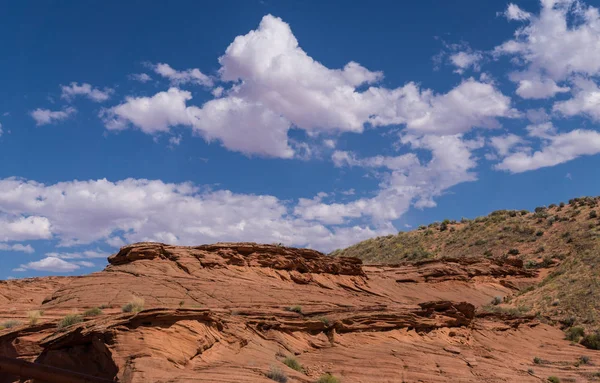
<point>407,181</point>
<point>141,77</point>
<point>175,140</point>
<point>86,212</point>
<point>50,264</point>
<point>79,255</point>
<point>470,104</point>
<point>218,91</point>
<point>193,76</point>
<point>276,73</point>
<point>513,12</point>
<point>537,115</point>
<point>150,114</point>
<point>1,131</point>
<point>556,149</point>
<point>46,116</point>
<point>17,247</point>
<point>532,85</point>
<point>504,144</point>
<point>24,228</point>
<point>586,101</point>
<point>94,94</point>
<point>562,40</point>
<point>277,86</point>
<point>465,60</point>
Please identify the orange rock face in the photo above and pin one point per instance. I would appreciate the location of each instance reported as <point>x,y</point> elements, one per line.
<point>231,312</point>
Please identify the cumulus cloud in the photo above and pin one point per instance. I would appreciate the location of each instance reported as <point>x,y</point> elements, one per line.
<point>49,264</point>
<point>552,46</point>
<point>556,148</point>
<point>468,105</point>
<point>150,114</point>
<point>20,228</point>
<point>17,247</point>
<point>46,116</point>
<point>406,181</point>
<point>465,60</point>
<point>586,101</point>
<point>74,89</point>
<point>87,212</point>
<point>193,76</point>
<point>277,86</point>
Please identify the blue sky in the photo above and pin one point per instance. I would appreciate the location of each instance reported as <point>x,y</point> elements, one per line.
<point>303,123</point>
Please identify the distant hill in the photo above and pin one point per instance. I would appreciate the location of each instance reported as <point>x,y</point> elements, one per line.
<point>561,240</point>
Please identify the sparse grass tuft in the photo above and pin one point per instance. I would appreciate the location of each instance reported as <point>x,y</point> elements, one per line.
<point>69,320</point>
<point>10,324</point>
<point>276,374</point>
<point>34,316</point>
<point>292,363</point>
<point>95,311</point>
<point>135,306</point>
<point>328,378</point>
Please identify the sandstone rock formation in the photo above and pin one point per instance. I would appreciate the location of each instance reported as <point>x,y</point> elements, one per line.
<point>231,312</point>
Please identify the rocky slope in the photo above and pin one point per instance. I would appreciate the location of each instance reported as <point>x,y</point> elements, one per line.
<point>243,312</point>
<point>561,241</point>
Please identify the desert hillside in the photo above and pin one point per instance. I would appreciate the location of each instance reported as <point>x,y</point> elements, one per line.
<point>245,312</point>
<point>561,241</point>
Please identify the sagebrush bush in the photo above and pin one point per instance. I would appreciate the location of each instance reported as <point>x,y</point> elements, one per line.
<point>553,379</point>
<point>10,324</point>
<point>135,306</point>
<point>574,334</point>
<point>276,374</point>
<point>591,341</point>
<point>69,320</point>
<point>95,311</point>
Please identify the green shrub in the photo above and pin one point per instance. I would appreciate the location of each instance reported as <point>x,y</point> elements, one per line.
<point>496,301</point>
<point>562,204</point>
<point>591,341</point>
<point>292,363</point>
<point>135,306</point>
<point>574,334</point>
<point>296,309</point>
<point>539,233</point>
<point>537,360</point>
<point>513,252</point>
<point>69,320</point>
<point>593,214</point>
<point>276,374</point>
<point>553,379</point>
<point>95,311</point>
<point>328,378</point>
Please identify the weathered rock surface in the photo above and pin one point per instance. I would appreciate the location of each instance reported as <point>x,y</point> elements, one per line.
<point>229,312</point>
